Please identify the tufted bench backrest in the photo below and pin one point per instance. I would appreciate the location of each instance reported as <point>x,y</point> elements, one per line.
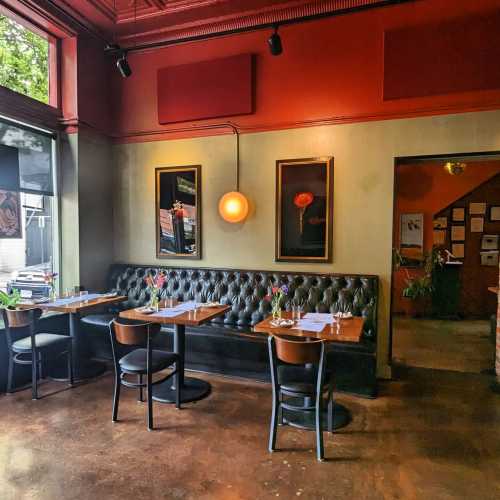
<point>245,291</point>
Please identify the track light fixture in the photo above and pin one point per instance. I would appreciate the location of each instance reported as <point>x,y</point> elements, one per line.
<point>114,50</point>
<point>274,42</point>
<point>123,66</point>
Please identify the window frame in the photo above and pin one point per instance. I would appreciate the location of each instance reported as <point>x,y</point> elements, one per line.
<point>56,179</point>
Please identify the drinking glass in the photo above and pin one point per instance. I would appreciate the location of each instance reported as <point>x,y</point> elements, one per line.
<point>296,312</point>
<point>192,314</point>
<point>84,294</point>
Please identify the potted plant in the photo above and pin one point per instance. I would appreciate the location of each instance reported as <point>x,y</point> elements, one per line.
<point>10,300</point>
<point>419,289</point>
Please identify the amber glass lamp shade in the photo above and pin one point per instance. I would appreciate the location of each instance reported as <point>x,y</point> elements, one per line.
<point>233,207</point>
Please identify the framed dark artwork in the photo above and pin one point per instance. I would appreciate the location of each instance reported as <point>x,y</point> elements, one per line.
<point>10,214</point>
<point>178,212</point>
<point>304,210</point>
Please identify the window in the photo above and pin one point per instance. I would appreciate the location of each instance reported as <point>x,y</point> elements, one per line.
<point>24,60</point>
<point>28,208</point>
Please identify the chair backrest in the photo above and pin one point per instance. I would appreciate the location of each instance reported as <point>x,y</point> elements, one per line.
<point>133,333</point>
<point>298,352</point>
<point>20,318</point>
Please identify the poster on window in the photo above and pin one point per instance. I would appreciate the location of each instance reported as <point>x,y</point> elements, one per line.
<point>10,214</point>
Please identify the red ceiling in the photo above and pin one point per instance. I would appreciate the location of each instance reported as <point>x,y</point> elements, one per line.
<point>132,22</point>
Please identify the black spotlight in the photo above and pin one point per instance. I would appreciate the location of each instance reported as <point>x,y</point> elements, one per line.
<point>274,42</point>
<point>123,66</point>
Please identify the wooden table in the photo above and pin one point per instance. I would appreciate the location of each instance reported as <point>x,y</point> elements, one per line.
<point>83,368</point>
<point>192,389</point>
<point>351,331</point>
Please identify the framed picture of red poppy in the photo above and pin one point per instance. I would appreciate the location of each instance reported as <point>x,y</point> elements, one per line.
<point>304,210</point>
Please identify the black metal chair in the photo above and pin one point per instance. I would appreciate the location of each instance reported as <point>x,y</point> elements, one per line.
<point>33,349</point>
<point>142,361</point>
<point>299,380</point>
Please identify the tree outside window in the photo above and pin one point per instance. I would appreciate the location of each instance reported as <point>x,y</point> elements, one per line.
<point>24,60</point>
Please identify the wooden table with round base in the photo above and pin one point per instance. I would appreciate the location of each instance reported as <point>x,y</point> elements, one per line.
<point>351,331</point>
<point>192,389</point>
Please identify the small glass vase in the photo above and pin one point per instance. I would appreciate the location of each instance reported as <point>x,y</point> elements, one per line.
<point>52,294</point>
<point>276,311</point>
<point>154,302</point>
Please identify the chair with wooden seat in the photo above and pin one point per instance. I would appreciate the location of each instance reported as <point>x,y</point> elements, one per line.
<point>141,361</point>
<point>298,373</point>
<point>34,349</point>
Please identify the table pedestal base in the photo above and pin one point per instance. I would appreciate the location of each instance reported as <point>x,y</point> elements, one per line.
<point>193,389</point>
<point>305,419</point>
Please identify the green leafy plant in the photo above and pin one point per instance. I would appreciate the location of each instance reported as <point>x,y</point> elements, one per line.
<point>10,300</point>
<point>418,287</point>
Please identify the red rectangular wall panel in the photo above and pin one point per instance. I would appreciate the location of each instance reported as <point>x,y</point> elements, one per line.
<point>208,89</point>
<point>455,56</point>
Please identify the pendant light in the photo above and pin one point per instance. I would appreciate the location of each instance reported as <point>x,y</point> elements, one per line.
<point>233,206</point>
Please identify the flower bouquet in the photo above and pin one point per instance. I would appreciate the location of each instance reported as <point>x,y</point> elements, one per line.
<point>50,281</point>
<point>278,293</point>
<point>155,284</point>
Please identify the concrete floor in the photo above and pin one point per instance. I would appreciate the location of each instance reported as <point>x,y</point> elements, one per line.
<point>463,346</point>
<point>431,435</point>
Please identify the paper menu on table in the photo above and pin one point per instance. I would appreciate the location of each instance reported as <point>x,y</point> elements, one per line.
<point>168,313</point>
<point>310,326</point>
<point>320,317</point>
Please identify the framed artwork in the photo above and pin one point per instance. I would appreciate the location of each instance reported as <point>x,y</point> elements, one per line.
<point>457,233</point>
<point>178,212</point>
<point>304,210</point>
<point>489,259</point>
<point>411,242</point>
<point>458,250</point>
<point>477,208</point>
<point>439,237</point>
<point>495,213</point>
<point>458,214</point>
<point>440,223</point>
<point>10,214</point>
<point>476,224</point>
<point>489,242</point>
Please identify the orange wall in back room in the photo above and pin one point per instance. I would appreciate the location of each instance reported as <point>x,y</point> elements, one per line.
<point>425,187</point>
<point>330,70</point>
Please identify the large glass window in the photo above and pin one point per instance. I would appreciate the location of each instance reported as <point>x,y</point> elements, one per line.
<point>24,60</point>
<point>28,208</point>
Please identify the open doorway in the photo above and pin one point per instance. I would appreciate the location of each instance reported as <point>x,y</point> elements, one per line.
<point>445,270</point>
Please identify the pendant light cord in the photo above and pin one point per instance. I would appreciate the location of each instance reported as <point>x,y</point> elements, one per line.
<point>235,131</point>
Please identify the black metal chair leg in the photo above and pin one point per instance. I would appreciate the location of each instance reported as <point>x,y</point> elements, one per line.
<point>330,408</point>
<point>274,423</point>
<point>40,366</point>
<point>70,368</point>
<point>178,390</point>
<point>280,412</point>
<point>10,373</point>
<point>116,397</point>
<point>319,429</point>
<point>150,402</point>
<point>141,393</point>
<point>34,377</point>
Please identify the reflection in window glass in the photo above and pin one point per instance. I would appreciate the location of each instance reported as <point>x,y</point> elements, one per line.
<point>26,255</point>
<point>24,59</point>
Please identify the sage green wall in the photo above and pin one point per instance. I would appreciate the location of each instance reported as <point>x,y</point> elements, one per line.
<point>86,177</point>
<point>363,204</point>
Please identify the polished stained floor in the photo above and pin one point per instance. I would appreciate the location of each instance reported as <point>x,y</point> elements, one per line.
<point>431,435</point>
<point>463,346</point>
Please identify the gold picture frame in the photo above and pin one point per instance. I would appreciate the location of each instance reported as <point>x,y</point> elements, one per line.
<point>178,212</point>
<point>304,210</point>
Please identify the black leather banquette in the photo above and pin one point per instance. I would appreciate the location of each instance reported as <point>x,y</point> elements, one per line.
<point>227,345</point>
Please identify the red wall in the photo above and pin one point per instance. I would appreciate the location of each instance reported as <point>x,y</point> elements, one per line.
<point>425,187</point>
<point>330,71</point>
